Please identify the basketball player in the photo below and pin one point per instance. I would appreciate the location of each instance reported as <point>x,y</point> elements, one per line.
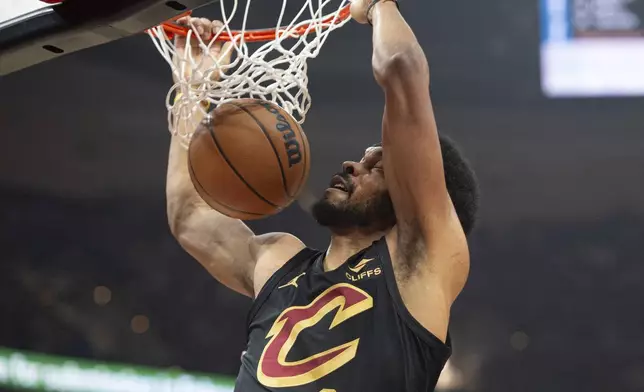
<point>371,312</point>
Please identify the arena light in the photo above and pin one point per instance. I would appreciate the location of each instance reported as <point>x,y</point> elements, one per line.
<point>48,373</point>
<point>588,50</point>
<point>102,295</point>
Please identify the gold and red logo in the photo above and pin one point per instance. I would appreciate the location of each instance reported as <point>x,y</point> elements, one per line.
<point>363,263</point>
<point>275,371</point>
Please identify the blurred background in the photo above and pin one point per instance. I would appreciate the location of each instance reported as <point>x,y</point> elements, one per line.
<point>544,97</point>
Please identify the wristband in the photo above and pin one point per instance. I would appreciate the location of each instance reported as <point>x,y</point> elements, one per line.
<point>373,4</point>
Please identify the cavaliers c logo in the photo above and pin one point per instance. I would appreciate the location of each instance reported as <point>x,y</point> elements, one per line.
<point>275,371</point>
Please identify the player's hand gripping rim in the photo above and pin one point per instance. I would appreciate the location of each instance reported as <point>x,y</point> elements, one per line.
<point>196,53</point>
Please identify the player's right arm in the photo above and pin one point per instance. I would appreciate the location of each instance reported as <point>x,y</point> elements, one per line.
<point>224,246</point>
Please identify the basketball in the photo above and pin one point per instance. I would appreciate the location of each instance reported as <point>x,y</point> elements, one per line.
<point>249,160</point>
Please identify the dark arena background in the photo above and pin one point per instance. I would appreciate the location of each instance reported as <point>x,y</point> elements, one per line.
<point>544,97</point>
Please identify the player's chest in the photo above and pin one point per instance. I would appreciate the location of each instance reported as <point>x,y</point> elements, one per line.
<point>313,325</point>
<point>314,292</point>
<point>311,299</point>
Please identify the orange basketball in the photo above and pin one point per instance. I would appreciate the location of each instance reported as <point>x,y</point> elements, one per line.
<point>249,160</point>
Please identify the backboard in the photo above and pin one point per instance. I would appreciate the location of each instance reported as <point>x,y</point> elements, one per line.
<point>34,31</point>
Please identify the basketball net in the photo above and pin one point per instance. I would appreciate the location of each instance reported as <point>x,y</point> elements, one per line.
<point>276,70</point>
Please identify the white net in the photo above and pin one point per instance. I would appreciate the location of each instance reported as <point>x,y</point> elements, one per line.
<point>274,70</point>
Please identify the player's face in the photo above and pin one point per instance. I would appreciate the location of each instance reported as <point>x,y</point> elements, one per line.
<point>357,197</point>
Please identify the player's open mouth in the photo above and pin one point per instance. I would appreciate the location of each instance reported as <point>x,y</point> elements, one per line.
<point>337,182</point>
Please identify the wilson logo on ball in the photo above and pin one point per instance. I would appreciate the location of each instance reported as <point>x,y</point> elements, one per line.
<point>250,159</point>
<point>290,141</point>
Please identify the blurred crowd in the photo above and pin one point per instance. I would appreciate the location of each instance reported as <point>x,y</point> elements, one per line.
<point>550,305</point>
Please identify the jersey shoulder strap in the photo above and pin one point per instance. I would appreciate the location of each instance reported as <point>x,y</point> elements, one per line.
<point>443,350</point>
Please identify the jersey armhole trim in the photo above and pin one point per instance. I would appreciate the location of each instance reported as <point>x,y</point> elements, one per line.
<point>444,349</point>
<point>277,276</point>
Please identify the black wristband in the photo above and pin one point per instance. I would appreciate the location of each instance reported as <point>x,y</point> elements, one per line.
<point>373,4</point>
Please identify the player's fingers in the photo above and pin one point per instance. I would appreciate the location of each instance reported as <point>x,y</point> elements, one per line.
<point>180,39</point>
<point>183,21</point>
<point>216,26</point>
<point>222,52</point>
<point>198,31</point>
<point>210,31</point>
<point>203,28</point>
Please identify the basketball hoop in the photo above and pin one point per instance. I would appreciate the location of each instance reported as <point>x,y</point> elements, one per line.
<point>275,70</point>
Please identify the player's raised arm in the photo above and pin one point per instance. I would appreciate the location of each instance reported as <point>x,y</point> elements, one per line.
<point>226,247</point>
<point>428,229</point>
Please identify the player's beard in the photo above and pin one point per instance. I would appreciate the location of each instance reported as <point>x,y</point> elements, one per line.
<point>376,214</point>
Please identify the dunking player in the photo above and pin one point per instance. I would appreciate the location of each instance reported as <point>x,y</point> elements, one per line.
<point>371,312</point>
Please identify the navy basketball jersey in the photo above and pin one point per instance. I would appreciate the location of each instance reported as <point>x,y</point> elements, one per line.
<point>345,330</point>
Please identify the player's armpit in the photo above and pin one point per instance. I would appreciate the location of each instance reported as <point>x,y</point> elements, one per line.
<point>271,251</point>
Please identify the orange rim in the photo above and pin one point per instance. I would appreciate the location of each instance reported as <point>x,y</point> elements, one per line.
<point>172,29</point>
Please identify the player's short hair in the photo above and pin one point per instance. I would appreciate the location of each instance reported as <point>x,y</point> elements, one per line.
<point>461,181</point>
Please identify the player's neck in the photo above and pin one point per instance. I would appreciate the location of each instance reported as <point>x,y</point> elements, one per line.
<point>343,247</point>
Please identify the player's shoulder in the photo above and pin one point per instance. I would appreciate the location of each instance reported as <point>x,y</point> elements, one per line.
<point>275,243</point>
<point>270,252</point>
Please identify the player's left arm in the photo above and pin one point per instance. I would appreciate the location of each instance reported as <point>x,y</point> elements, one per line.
<point>429,237</point>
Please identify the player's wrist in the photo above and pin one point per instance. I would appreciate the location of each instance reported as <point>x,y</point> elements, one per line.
<point>378,3</point>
